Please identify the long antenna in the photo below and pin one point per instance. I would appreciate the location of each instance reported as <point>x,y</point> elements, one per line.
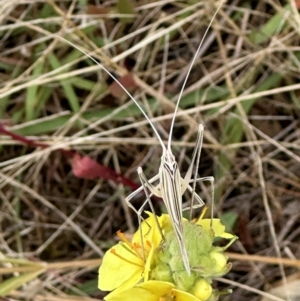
<point>188,73</point>
<point>122,86</point>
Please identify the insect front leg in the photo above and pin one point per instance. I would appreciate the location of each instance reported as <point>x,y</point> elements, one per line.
<point>148,183</point>
<point>141,188</point>
<point>148,197</point>
<point>146,186</point>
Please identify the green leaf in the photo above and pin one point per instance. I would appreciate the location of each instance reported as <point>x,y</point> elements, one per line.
<point>89,287</point>
<point>52,123</point>
<point>68,88</point>
<point>125,7</point>
<point>270,28</point>
<point>229,219</point>
<point>32,94</point>
<point>234,131</point>
<point>14,282</point>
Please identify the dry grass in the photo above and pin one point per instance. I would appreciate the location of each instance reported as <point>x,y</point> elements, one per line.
<point>244,88</point>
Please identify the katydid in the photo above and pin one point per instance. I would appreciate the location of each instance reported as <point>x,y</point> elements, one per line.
<point>171,185</point>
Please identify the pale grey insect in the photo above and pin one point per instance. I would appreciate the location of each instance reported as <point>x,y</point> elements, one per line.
<point>171,186</point>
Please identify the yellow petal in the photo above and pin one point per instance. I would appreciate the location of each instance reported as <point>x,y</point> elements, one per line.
<point>217,226</point>
<point>150,232</point>
<point>133,294</point>
<point>159,288</point>
<point>227,235</point>
<point>184,296</point>
<point>148,264</point>
<point>123,268</point>
<point>150,291</point>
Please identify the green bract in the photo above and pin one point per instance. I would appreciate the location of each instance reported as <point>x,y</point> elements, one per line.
<point>151,268</point>
<point>206,260</point>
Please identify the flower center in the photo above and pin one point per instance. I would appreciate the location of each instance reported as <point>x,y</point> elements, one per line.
<point>113,251</point>
<point>168,297</point>
<point>136,249</point>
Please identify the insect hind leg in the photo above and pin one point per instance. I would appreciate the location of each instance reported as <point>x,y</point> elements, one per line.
<point>201,203</point>
<point>187,179</point>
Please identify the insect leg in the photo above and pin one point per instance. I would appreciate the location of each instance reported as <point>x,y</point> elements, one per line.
<point>148,197</point>
<point>137,191</point>
<point>146,184</point>
<point>196,153</point>
<point>197,197</point>
<point>185,183</point>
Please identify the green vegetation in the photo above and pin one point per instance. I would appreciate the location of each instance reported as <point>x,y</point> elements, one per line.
<point>244,88</point>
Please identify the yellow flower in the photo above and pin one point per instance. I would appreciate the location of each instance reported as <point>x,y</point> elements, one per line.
<point>215,225</point>
<point>153,291</point>
<point>126,264</point>
<point>151,268</point>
